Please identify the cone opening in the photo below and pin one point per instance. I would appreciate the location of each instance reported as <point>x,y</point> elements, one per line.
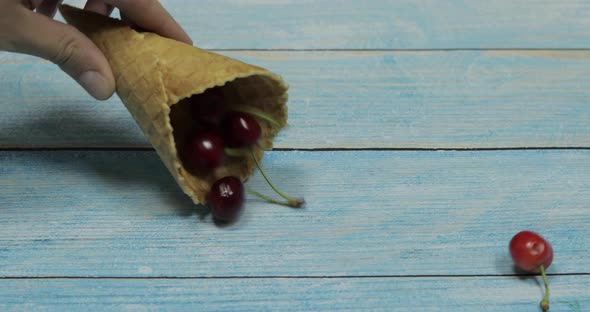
<point>203,112</point>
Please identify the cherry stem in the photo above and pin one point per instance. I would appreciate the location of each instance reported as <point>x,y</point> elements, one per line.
<point>545,302</point>
<point>256,112</point>
<point>268,199</point>
<point>235,152</point>
<point>291,201</point>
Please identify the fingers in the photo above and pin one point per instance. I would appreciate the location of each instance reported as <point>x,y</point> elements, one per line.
<point>48,7</point>
<point>99,7</point>
<point>65,46</point>
<point>150,15</point>
<point>31,4</point>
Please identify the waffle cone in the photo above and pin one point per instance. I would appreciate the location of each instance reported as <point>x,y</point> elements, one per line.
<point>156,78</point>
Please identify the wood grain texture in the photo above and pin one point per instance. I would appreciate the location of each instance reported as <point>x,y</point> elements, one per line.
<point>383,230</point>
<point>302,294</point>
<point>383,24</point>
<point>459,99</point>
<point>368,213</point>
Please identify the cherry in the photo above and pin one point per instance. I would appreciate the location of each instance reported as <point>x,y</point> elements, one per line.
<point>208,108</point>
<point>226,198</point>
<point>240,129</point>
<point>532,253</point>
<point>204,151</point>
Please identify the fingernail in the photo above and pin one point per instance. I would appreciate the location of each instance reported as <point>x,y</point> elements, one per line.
<point>95,84</point>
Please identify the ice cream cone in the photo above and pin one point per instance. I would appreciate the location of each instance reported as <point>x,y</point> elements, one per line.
<point>157,79</point>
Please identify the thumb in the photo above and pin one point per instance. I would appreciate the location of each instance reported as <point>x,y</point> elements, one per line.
<point>68,48</point>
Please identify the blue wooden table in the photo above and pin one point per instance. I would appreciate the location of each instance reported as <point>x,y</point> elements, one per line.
<point>423,135</point>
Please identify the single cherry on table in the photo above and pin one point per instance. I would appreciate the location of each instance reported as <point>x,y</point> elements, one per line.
<point>532,253</point>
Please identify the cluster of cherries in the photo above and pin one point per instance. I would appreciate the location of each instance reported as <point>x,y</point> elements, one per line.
<point>532,253</point>
<point>223,133</point>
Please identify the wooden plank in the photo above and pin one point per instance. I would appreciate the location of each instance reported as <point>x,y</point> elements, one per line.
<point>569,293</point>
<point>379,24</point>
<point>460,99</point>
<point>112,213</point>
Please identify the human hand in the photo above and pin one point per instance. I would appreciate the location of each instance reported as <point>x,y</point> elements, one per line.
<point>26,26</point>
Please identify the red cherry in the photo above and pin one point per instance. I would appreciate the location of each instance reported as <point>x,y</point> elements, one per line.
<point>529,251</point>
<point>208,108</point>
<point>240,129</point>
<point>204,151</point>
<point>226,198</point>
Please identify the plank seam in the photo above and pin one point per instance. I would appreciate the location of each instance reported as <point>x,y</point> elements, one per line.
<point>292,277</point>
<point>398,50</point>
<point>320,149</point>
